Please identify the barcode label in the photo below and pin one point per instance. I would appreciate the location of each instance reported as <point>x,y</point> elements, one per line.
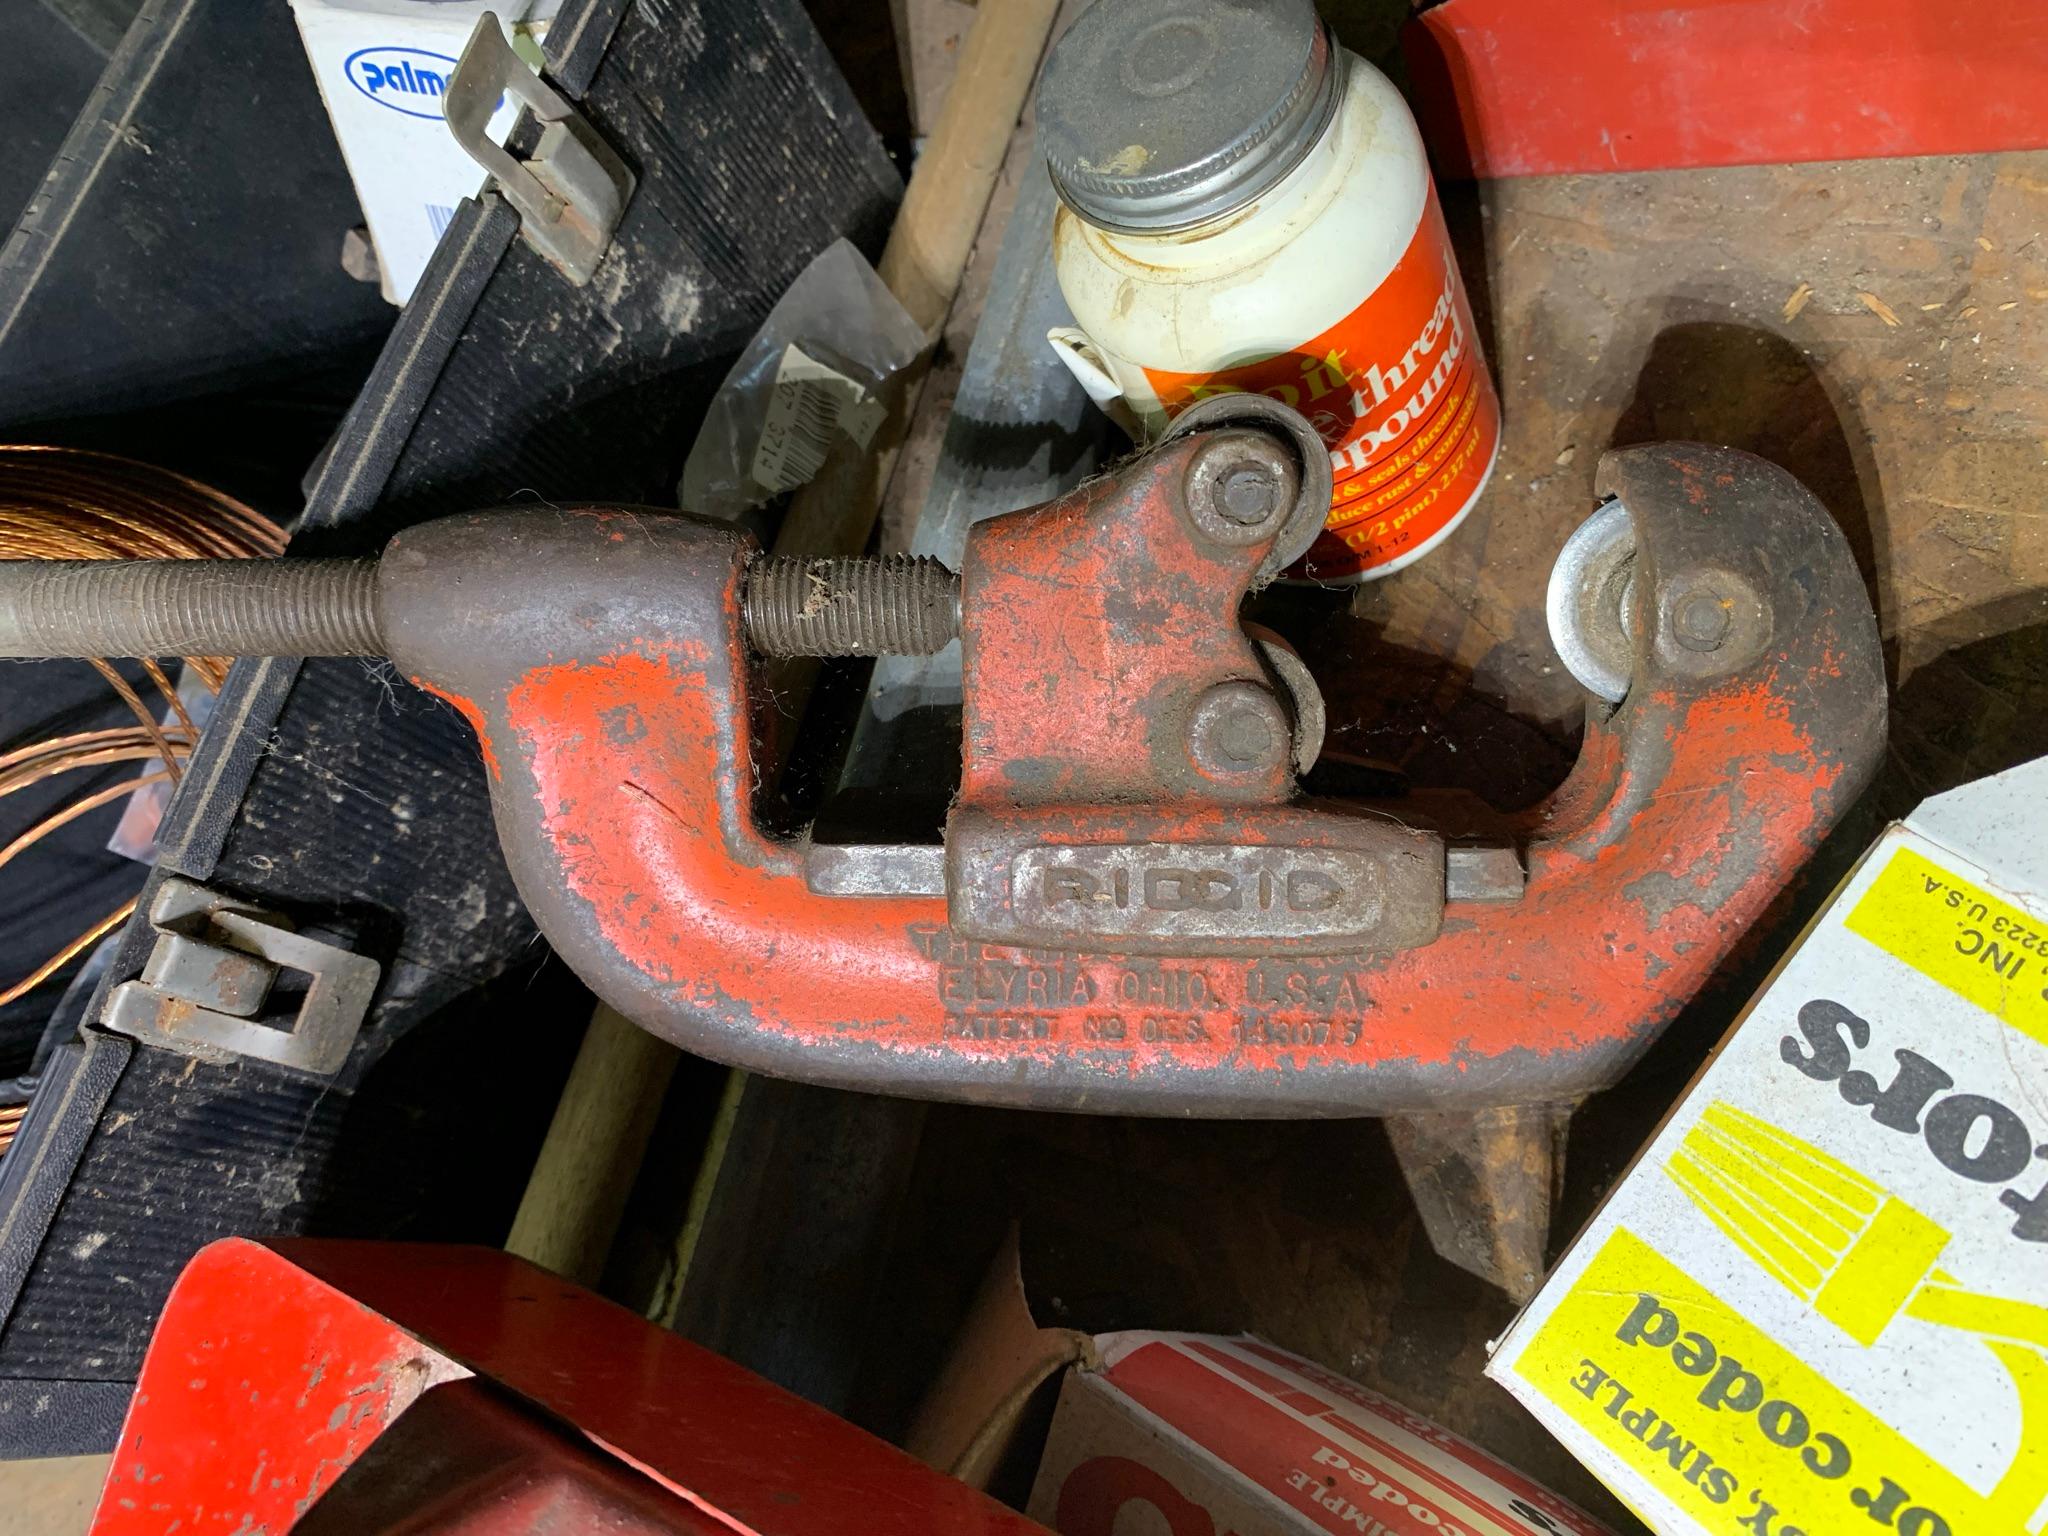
<point>809,406</point>
<point>439,216</point>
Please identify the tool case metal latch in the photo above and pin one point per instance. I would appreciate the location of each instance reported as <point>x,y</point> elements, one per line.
<point>573,189</point>
<point>205,986</point>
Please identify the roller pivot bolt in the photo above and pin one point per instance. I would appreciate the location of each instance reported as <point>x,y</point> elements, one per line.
<point>1240,484</point>
<point>1238,730</point>
<point>1700,620</point>
<point>1246,494</point>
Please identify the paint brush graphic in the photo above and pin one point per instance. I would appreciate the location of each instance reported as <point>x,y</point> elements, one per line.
<point>1861,1257</point>
<point>1814,1224</point>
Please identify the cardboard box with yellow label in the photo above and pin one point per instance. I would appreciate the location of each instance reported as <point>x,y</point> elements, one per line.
<point>1818,1302</point>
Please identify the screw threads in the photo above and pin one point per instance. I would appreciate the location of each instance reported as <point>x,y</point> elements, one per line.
<point>898,606</point>
<point>189,608</point>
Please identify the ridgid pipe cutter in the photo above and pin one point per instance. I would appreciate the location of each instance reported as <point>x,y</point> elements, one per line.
<point>1134,908</point>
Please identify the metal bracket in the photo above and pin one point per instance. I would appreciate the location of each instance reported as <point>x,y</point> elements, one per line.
<point>572,191</point>
<point>203,989</point>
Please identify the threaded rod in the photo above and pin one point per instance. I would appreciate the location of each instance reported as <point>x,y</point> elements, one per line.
<point>189,608</point>
<point>794,607</point>
<point>898,606</point>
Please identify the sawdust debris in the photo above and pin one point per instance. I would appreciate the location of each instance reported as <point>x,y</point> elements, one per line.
<point>1879,308</point>
<point>817,594</point>
<point>1798,300</point>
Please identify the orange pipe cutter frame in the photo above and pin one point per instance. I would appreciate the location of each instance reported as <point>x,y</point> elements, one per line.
<point>1127,921</point>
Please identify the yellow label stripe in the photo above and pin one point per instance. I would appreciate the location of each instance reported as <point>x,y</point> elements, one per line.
<point>1953,931</point>
<point>1718,1417</point>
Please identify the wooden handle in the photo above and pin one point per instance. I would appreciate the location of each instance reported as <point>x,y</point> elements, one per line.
<point>926,255</point>
<point>585,1171</point>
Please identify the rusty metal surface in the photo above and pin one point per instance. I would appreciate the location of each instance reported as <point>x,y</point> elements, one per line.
<point>1484,1182</point>
<point>1198,882</point>
<point>600,655</point>
<point>896,606</point>
<point>204,988</point>
<point>1127,764</point>
<point>1019,430</point>
<point>1310,480</point>
<point>1614,309</point>
<point>1091,631</point>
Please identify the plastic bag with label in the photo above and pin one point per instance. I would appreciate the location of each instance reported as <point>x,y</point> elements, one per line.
<point>813,374</point>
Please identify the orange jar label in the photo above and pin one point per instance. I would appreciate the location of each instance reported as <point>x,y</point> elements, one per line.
<point>1399,391</point>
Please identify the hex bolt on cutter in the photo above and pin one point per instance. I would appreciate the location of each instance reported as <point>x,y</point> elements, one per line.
<point>1135,910</point>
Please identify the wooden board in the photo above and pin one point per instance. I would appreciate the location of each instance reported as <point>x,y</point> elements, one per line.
<point>50,1497</point>
<point>1880,328</point>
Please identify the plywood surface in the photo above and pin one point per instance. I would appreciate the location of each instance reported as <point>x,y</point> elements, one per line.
<point>1879,328</point>
<point>52,1497</point>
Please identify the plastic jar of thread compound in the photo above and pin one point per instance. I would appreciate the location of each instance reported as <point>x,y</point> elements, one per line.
<point>1246,206</point>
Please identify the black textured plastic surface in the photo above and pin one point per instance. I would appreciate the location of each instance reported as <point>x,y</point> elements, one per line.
<point>46,73</point>
<point>186,240</point>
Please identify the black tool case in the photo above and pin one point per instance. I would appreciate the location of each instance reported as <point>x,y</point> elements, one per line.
<point>340,796</point>
<point>172,287</point>
<point>172,211</point>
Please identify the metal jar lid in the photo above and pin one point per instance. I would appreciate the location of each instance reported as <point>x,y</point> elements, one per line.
<point>1158,115</point>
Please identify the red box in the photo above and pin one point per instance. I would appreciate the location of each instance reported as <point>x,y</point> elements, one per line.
<point>1516,88</point>
<point>1234,1436</point>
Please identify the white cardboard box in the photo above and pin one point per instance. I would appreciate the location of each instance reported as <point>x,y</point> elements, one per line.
<point>1818,1302</point>
<point>381,67</point>
<point>1203,1436</point>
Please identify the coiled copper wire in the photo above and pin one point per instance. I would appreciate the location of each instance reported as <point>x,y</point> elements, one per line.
<point>70,504</point>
